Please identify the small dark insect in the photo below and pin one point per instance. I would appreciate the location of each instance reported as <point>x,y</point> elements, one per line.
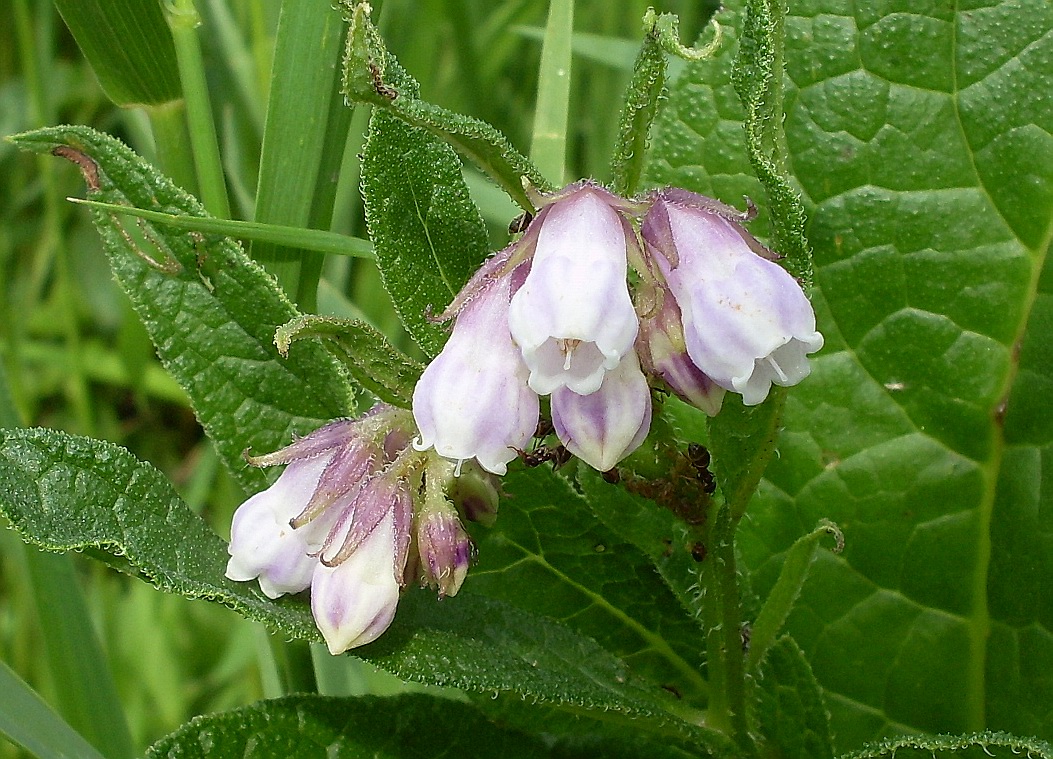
<point>699,457</point>
<point>544,428</point>
<point>699,552</point>
<point>520,223</point>
<point>557,454</point>
<point>611,476</point>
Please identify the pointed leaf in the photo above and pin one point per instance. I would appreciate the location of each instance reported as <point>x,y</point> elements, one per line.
<point>210,310</point>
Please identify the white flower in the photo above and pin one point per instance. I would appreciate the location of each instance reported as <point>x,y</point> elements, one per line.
<point>573,319</point>
<point>473,400</point>
<point>747,323</point>
<point>355,601</point>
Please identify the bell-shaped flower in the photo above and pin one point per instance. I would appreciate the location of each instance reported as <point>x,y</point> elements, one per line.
<point>445,550</point>
<point>663,354</point>
<point>354,601</point>
<point>473,400</point>
<point>263,540</point>
<point>605,426</point>
<point>747,323</point>
<point>573,318</point>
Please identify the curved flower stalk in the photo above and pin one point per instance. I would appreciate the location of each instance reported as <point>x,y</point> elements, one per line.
<point>341,519</point>
<point>747,323</point>
<point>473,400</point>
<point>573,318</point>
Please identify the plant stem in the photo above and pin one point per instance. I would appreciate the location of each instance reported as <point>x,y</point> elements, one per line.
<point>183,19</point>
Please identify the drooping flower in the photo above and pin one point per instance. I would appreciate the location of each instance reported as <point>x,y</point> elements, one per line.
<point>337,520</point>
<point>573,318</point>
<point>605,426</point>
<point>473,400</point>
<point>746,321</point>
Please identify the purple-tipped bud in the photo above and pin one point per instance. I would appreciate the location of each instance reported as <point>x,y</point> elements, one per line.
<point>747,323</point>
<point>473,401</point>
<point>355,601</point>
<point>573,319</point>
<point>604,427</point>
<point>663,354</point>
<point>445,549</point>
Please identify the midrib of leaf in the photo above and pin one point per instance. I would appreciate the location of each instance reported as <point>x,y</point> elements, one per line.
<point>431,244</point>
<point>656,642</point>
<point>979,621</point>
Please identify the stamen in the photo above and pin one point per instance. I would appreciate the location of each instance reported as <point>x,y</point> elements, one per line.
<point>567,347</point>
<point>457,469</point>
<point>778,370</point>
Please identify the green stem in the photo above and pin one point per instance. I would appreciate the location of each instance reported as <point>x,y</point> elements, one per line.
<point>175,156</point>
<point>548,150</point>
<point>295,665</point>
<point>183,19</point>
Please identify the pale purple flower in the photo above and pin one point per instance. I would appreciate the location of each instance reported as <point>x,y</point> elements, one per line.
<point>747,323</point>
<point>354,602</point>
<point>473,400</point>
<point>605,426</point>
<point>337,520</point>
<point>573,318</point>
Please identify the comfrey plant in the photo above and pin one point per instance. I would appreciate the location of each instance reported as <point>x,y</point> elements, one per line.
<point>637,378</point>
<point>551,315</point>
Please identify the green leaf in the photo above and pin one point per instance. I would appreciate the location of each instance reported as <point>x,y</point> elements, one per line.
<point>28,721</point>
<point>974,746</point>
<point>922,154</point>
<point>372,75</point>
<point>209,309</point>
<point>377,365</point>
<point>427,234</point>
<point>793,721</point>
<point>487,646</point>
<point>298,727</point>
<point>549,554</point>
<point>128,45</point>
<point>303,140</point>
<point>67,493</point>
<point>780,600</point>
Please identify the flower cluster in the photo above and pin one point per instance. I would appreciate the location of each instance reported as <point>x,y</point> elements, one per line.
<point>357,515</point>
<point>553,314</point>
<point>366,506</point>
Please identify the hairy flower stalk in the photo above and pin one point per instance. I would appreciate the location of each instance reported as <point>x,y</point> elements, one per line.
<point>341,520</point>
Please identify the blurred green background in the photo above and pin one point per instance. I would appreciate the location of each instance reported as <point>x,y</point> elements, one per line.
<point>73,355</point>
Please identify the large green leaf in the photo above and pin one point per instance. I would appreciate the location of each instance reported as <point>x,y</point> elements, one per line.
<point>299,727</point>
<point>210,310</point>
<point>65,493</point>
<point>923,153</point>
<point>549,554</point>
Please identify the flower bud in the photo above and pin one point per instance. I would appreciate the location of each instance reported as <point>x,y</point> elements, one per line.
<point>604,427</point>
<point>355,601</point>
<point>445,550</point>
